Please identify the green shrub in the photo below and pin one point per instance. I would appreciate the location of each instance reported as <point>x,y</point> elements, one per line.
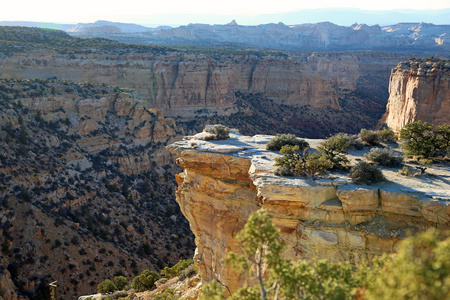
<point>387,135</point>
<point>281,140</point>
<point>188,272</point>
<point>168,294</point>
<point>369,137</point>
<point>145,281</point>
<point>301,162</point>
<point>220,132</point>
<point>424,140</point>
<point>106,286</point>
<point>177,269</point>
<point>121,282</point>
<point>335,147</point>
<point>384,157</point>
<point>365,173</point>
<point>406,171</point>
<point>284,170</point>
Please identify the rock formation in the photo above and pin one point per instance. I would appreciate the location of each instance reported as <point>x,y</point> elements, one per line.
<point>86,188</point>
<point>224,181</point>
<point>418,90</point>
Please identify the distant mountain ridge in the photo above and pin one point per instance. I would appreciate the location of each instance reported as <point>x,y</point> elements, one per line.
<point>324,36</point>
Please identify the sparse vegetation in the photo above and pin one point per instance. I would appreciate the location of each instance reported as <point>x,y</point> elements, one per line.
<point>425,140</point>
<point>384,157</point>
<point>177,269</point>
<point>365,173</point>
<point>369,137</point>
<point>145,281</point>
<point>335,147</point>
<point>387,136</point>
<point>281,140</point>
<point>219,131</point>
<point>296,161</point>
<point>106,287</point>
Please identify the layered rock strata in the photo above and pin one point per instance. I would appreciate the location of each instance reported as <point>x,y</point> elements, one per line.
<point>419,91</point>
<point>225,181</point>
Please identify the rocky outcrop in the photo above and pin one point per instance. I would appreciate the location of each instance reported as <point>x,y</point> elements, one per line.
<point>418,90</point>
<point>224,182</point>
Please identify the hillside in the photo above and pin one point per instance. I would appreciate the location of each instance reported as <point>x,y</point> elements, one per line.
<point>86,187</point>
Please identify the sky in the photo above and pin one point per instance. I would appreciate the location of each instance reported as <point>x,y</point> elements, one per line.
<point>181,12</point>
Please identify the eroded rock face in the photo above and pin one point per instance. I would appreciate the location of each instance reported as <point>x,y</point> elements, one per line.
<point>224,181</point>
<point>418,91</point>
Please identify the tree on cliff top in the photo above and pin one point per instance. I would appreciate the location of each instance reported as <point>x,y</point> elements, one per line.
<point>425,141</point>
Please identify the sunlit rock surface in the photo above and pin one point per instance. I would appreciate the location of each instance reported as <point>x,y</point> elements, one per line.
<point>225,181</point>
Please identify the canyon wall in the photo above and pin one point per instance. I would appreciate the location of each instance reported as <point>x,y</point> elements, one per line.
<point>225,181</point>
<point>418,90</point>
<point>190,85</point>
<point>180,84</point>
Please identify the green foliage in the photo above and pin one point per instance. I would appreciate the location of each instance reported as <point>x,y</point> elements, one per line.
<point>419,139</point>
<point>177,269</point>
<point>406,171</point>
<point>221,132</point>
<point>190,271</point>
<point>121,282</point>
<point>365,173</point>
<point>281,140</point>
<point>106,286</point>
<point>335,147</point>
<point>425,140</point>
<point>387,135</point>
<point>262,246</point>
<point>168,294</point>
<point>301,162</point>
<point>369,137</point>
<point>145,281</point>
<point>420,270</point>
<point>212,291</point>
<point>384,157</point>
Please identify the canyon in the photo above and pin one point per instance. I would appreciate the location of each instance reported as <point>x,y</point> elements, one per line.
<point>86,188</point>
<point>225,181</point>
<point>418,90</point>
<point>309,92</point>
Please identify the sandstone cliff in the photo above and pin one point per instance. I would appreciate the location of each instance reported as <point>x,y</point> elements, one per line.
<point>312,91</point>
<point>418,90</point>
<point>182,84</point>
<point>224,181</point>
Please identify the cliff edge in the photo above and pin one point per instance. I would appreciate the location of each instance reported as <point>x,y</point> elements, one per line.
<point>418,90</point>
<point>225,181</point>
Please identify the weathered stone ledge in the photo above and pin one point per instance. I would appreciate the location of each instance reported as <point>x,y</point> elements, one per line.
<point>225,181</point>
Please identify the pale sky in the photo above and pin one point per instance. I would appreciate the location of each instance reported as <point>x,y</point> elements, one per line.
<point>144,11</point>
